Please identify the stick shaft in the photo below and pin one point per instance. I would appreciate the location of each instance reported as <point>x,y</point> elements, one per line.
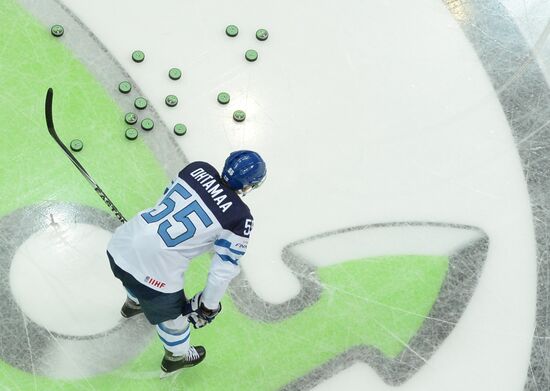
<point>74,160</point>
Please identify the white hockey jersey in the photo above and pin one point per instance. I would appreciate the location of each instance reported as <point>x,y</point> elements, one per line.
<point>198,213</point>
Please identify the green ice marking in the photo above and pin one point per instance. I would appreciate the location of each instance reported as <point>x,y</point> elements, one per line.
<point>32,167</point>
<point>375,302</point>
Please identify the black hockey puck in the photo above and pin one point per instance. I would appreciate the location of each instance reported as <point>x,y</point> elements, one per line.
<point>239,116</point>
<point>57,30</point>
<point>77,145</point>
<point>262,34</point>
<point>124,87</point>
<point>147,124</point>
<point>180,129</point>
<point>251,55</point>
<point>140,103</point>
<point>131,133</point>
<point>174,73</point>
<point>130,118</point>
<point>223,98</point>
<point>232,30</point>
<point>171,100</point>
<point>138,56</point>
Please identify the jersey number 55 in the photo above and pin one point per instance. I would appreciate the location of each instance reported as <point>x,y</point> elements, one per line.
<point>166,209</point>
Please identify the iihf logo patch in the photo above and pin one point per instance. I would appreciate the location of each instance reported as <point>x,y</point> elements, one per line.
<point>156,283</point>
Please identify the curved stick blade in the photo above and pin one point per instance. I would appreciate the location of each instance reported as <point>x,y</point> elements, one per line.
<point>48,107</point>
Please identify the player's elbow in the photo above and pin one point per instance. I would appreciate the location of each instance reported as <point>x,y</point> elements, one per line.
<point>224,270</point>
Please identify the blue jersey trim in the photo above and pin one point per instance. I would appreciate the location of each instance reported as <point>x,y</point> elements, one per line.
<point>175,342</point>
<point>171,331</point>
<point>227,258</point>
<point>227,244</point>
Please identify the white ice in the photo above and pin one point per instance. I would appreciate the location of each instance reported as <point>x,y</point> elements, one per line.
<point>366,112</point>
<point>63,264</point>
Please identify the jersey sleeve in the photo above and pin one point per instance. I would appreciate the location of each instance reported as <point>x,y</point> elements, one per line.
<point>229,248</point>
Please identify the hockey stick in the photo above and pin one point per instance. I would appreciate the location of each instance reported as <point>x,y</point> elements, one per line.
<point>53,133</point>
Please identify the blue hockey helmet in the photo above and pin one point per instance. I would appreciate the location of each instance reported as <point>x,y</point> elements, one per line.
<point>244,170</point>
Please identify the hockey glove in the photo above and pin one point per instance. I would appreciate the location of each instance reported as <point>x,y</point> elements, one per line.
<point>200,316</point>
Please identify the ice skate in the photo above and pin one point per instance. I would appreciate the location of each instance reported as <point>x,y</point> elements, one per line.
<point>171,363</point>
<point>130,309</point>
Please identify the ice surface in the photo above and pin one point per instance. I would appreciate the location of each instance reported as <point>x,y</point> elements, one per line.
<point>411,129</point>
<point>58,279</point>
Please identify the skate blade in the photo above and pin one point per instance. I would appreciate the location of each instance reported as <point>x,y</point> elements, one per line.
<point>164,375</point>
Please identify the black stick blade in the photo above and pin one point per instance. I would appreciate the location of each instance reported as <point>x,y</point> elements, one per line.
<point>49,116</point>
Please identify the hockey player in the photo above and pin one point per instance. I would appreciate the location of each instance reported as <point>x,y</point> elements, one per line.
<point>200,211</point>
